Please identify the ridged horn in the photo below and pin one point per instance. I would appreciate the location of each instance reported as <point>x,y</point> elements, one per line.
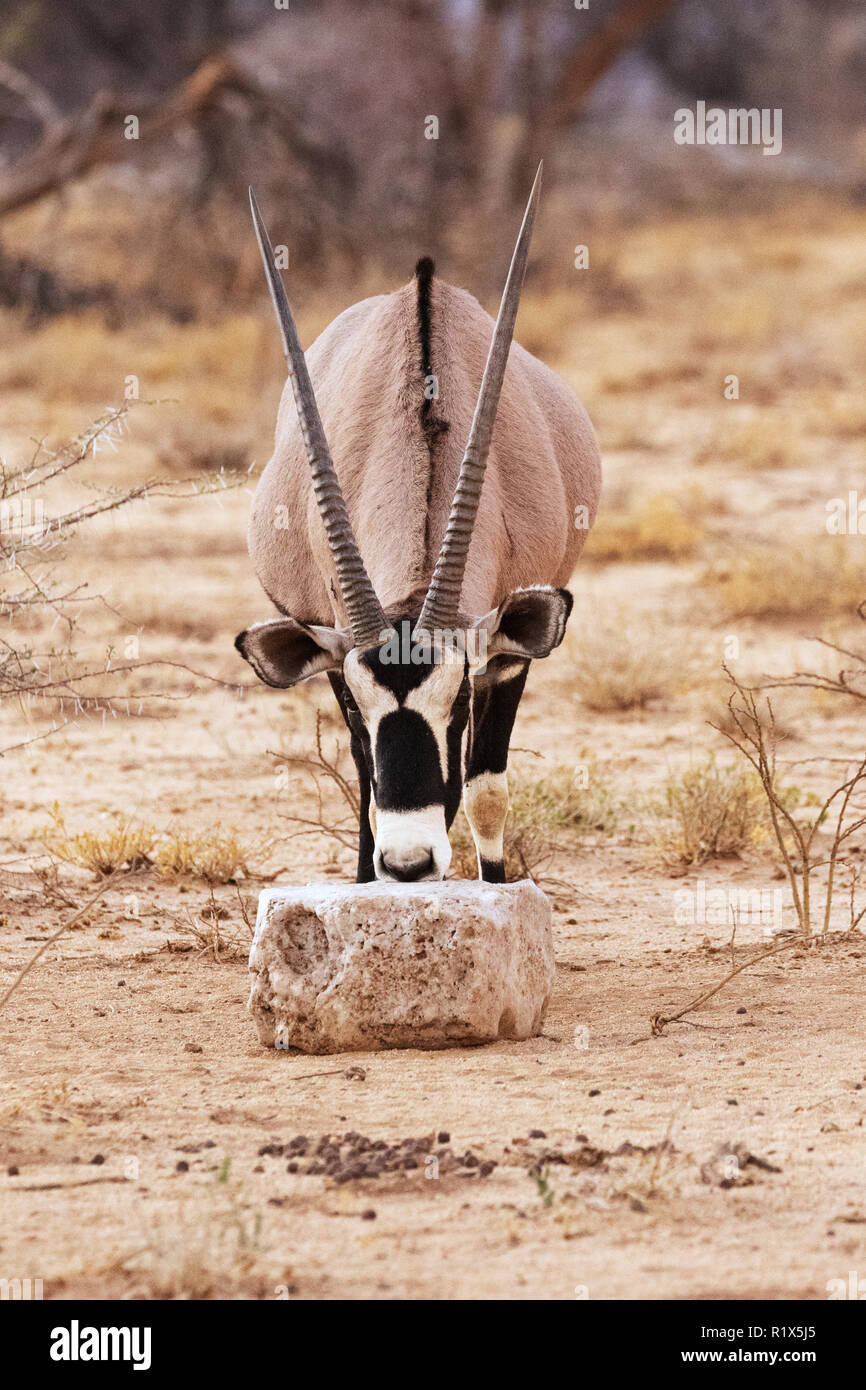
<point>443,596</point>
<point>368,621</point>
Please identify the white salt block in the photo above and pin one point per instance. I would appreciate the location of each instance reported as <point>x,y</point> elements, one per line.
<point>357,967</point>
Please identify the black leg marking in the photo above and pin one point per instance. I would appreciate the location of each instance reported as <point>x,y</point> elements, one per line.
<point>492,870</point>
<point>485,791</point>
<point>495,714</point>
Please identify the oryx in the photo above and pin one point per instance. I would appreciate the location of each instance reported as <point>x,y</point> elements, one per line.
<point>427,640</point>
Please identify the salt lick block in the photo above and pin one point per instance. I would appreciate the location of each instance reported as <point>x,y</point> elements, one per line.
<point>357,967</point>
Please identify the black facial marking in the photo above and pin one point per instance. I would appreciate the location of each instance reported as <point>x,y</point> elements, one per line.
<point>408,771</point>
<point>407,758</point>
<point>407,753</point>
<point>453,739</point>
<point>361,755</point>
<point>403,675</point>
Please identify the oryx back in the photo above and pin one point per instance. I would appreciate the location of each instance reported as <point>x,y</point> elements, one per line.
<point>396,378</point>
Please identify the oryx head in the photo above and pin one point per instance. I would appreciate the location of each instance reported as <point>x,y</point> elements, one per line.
<point>406,680</point>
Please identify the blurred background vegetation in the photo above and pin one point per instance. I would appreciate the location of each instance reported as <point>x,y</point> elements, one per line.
<point>323,105</point>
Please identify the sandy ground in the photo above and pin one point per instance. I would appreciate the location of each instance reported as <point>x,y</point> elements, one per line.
<point>135,1099</point>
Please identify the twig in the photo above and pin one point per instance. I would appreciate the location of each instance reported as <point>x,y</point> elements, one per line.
<point>659,1022</point>
<point>82,911</point>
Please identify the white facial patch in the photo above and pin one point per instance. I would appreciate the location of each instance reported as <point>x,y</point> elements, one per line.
<point>434,698</point>
<point>373,700</point>
<point>408,838</point>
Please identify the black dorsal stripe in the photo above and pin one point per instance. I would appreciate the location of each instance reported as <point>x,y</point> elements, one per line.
<point>431,423</point>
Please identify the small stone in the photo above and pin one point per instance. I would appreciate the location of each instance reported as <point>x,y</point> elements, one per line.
<point>368,1215</point>
<point>443,1137</point>
<point>98,1159</point>
<point>192,1047</point>
<point>181,1166</point>
<point>537,1134</point>
<point>13,1170</point>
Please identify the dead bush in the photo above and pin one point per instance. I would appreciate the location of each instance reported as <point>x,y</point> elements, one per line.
<point>618,664</point>
<point>711,812</point>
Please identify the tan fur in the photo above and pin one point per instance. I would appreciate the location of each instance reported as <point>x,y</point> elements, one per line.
<point>485,801</point>
<point>366,373</point>
<point>486,810</point>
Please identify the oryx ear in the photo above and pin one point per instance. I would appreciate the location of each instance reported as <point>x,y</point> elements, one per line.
<point>285,651</point>
<point>527,623</point>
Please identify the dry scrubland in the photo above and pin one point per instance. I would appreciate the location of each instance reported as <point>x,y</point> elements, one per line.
<point>136,1105</point>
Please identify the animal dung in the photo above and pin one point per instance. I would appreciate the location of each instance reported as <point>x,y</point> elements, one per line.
<point>359,967</point>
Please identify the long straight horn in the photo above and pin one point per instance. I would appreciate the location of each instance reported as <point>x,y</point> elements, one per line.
<point>443,596</point>
<point>365,613</point>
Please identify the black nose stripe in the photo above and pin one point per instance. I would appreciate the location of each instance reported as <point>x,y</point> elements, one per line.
<point>409,775</point>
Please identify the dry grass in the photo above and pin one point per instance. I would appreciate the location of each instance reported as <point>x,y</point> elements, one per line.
<point>217,856</point>
<point>192,444</point>
<point>657,527</point>
<point>215,367</point>
<point>802,579</point>
<point>193,1250</point>
<point>711,812</point>
<point>619,664</point>
<point>124,845</point>
<point>763,439</point>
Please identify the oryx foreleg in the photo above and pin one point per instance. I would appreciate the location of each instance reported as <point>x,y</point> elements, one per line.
<point>485,789</point>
